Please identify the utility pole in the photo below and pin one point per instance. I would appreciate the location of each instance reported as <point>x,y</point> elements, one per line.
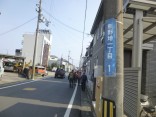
<point>60,62</point>
<point>68,61</point>
<point>36,37</point>
<point>72,61</point>
<point>113,86</point>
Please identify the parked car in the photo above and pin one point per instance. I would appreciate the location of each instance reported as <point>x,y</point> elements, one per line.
<point>60,73</point>
<point>39,70</point>
<point>9,66</point>
<point>46,73</point>
<point>1,69</point>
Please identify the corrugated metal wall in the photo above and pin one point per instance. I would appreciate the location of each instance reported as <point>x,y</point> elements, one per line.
<point>131,91</point>
<point>151,75</point>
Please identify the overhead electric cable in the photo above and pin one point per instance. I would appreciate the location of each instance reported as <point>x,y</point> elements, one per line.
<point>68,33</point>
<point>64,23</point>
<point>50,9</point>
<point>1,34</point>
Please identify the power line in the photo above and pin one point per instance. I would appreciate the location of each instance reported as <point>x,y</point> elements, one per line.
<point>50,9</point>
<point>64,23</point>
<point>1,34</point>
<point>68,32</point>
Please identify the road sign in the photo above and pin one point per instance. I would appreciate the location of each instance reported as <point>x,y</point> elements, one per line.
<point>110,48</point>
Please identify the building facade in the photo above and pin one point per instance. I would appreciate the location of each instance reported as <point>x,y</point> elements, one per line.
<point>52,59</point>
<point>44,43</point>
<point>137,79</point>
<point>62,63</point>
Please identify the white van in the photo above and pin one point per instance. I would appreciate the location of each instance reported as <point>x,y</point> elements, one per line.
<point>1,68</point>
<point>9,66</point>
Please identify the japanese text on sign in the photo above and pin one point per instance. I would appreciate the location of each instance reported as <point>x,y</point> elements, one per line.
<point>110,48</point>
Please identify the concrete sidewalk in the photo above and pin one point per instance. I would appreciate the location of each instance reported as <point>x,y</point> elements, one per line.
<point>11,77</point>
<point>86,105</point>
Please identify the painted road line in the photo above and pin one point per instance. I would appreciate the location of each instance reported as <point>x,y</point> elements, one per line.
<point>67,113</point>
<point>54,81</point>
<point>17,84</point>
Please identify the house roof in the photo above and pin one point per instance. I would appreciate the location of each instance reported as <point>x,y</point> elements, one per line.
<point>149,19</point>
<point>98,18</point>
<point>53,56</point>
<point>64,60</point>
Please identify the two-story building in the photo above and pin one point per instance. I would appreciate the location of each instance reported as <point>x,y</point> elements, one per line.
<point>61,62</point>
<point>139,51</point>
<point>52,59</point>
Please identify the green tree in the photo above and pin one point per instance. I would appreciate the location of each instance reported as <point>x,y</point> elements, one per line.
<point>54,65</point>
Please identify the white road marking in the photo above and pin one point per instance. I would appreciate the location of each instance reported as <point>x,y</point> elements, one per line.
<point>67,113</point>
<point>9,102</point>
<point>18,84</point>
<point>55,81</point>
<point>27,83</point>
<point>55,115</point>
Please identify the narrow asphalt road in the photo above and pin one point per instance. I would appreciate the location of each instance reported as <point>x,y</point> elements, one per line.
<point>47,97</point>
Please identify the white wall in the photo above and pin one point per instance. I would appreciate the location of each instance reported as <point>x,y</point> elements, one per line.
<point>28,47</point>
<point>52,60</point>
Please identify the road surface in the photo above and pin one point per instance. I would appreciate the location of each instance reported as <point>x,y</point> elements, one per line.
<point>47,97</point>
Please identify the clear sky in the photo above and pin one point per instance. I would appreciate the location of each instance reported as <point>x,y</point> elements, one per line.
<point>19,17</point>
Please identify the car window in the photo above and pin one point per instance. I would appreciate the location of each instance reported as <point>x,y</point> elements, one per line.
<point>9,64</point>
<point>42,68</point>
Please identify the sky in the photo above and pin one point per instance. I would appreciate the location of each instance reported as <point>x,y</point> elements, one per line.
<point>67,23</point>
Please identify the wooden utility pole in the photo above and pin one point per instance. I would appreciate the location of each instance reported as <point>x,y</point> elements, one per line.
<point>113,86</point>
<point>36,37</point>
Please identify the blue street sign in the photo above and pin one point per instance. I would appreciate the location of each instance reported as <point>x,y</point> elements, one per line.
<point>110,48</point>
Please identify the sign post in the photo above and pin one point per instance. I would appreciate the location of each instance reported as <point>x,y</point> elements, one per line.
<point>114,64</point>
<point>110,48</point>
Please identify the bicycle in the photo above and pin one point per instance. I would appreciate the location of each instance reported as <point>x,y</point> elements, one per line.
<point>146,109</point>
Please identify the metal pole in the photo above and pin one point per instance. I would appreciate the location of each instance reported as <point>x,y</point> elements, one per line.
<point>137,41</point>
<point>137,50</point>
<point>83,35</point>
<point>113,87</point>
<point>36,36</point>
<point>68,61</point>
<point>72,61</point>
